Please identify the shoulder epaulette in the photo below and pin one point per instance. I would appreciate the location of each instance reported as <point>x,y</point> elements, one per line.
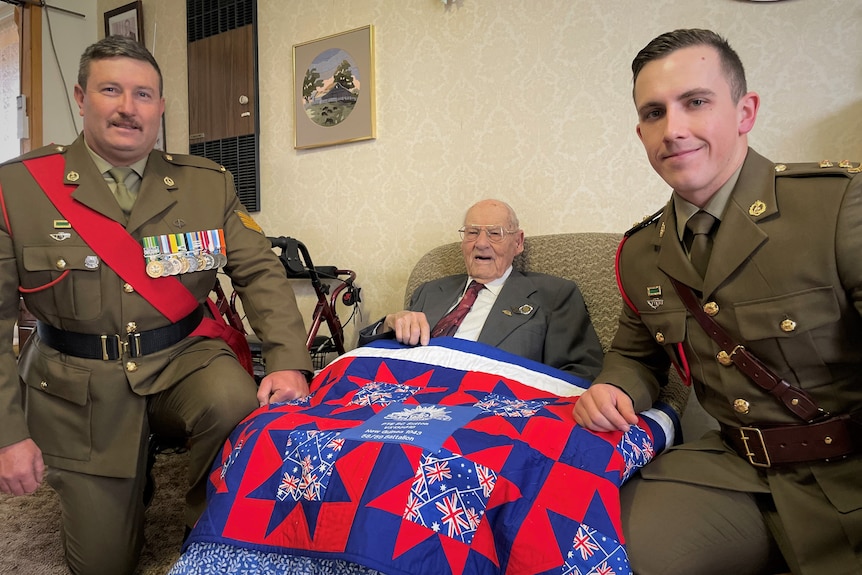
<point>193,161</point>
<point>37,153</point>
<point>645,223</point>
<point>824,168</point>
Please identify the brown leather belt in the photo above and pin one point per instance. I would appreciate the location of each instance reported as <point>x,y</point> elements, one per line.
<point>832,438</point>
<point>111,346</point>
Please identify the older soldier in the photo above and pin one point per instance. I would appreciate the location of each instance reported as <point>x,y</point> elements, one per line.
<point>115,248</point>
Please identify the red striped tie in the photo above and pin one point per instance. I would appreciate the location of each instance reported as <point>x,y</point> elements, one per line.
<point>449,323</point>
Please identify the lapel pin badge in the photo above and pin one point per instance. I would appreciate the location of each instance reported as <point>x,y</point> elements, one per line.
<point>525,309</point>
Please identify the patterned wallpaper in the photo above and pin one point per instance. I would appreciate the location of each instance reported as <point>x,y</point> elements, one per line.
<point>529,102</point>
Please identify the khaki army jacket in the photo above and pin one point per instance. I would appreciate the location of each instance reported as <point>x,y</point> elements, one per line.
<point>86,414</point>
<point>786,276</point>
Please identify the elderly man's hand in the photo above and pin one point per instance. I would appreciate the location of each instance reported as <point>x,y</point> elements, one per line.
<point>410,327</point>
<point>281,386</point>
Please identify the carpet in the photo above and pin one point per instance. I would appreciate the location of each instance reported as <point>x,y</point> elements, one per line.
<point>30,536</point>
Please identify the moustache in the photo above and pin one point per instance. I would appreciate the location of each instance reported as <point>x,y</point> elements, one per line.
<point>122,122</point>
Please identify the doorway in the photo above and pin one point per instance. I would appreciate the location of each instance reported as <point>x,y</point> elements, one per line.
<point>10,83</point>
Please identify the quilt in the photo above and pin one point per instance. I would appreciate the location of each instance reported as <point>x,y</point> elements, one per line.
<point>454,457</point>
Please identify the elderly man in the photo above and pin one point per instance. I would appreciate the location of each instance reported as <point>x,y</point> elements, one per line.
<point>115,248</point>
<point>533,315</point>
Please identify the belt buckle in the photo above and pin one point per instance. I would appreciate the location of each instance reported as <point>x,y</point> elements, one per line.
<point>755,434</point>
<point>106,356</point>
<point>133,345</point>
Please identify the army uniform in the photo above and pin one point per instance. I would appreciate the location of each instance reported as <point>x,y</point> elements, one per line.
<point>90,416</point>
<point>785,278</point>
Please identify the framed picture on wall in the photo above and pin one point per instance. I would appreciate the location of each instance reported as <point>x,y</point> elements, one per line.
<point>127,20</point>
<point>333,80</point>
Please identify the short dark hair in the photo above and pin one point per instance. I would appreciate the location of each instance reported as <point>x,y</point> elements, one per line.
<point>670,42</point>
<point>114,47</point>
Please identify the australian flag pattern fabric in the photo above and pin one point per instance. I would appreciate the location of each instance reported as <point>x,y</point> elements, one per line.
<point>449,458</point>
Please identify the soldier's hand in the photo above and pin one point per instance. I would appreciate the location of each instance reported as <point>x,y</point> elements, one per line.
<point>21,468</point>
<point>605,407</point>
<point>282,386</point>
<point>410,327</point>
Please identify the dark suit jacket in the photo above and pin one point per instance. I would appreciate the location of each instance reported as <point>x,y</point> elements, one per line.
<point>87,415</point>
<point>557,332</point>
<point>788,247</point>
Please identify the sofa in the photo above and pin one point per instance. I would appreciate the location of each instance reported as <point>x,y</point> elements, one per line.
<point>587,258</point>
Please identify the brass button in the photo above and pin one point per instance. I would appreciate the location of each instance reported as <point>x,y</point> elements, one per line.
<point>60,149</point>
<point>794,401</point>
<point>127,287</point>
<point>44,385</point>
<point>169,157</point>
<point>131,327</point>
<point>788,325</point>
<point>132,366</point>
<point>168,181</point>
<point>659,337</point>
<point>61,264</point>
<point>724,359</point>
<point>780,167</point>
<point>827,440</point>
<point>711,308</point>
<point>741,406</point>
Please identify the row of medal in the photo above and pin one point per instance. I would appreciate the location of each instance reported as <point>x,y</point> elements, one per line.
<point>174,254</point>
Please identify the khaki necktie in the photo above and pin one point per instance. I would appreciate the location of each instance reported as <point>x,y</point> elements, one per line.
<point>125,197</point>
<point>700,225</point>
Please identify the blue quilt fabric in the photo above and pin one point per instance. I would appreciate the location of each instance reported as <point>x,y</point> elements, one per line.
<point>450,458</point>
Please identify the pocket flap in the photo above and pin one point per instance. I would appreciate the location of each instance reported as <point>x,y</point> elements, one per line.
<point>809,310</point>
<point>671,324</point>
<point>59,258</point>
<point>59,380</point>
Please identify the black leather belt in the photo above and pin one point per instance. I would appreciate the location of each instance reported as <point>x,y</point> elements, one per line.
<point>832,438</point>
<point>111,346</point>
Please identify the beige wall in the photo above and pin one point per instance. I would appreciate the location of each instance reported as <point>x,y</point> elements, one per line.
<point>525,101</point>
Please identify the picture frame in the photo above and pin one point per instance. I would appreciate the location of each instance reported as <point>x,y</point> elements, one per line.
<point>127,20</point>
<point>334,100</point>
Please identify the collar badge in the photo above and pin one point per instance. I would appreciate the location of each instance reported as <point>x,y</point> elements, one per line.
<point>756,208</point>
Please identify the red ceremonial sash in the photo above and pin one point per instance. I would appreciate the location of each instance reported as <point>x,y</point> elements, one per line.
<point>113,244</point>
